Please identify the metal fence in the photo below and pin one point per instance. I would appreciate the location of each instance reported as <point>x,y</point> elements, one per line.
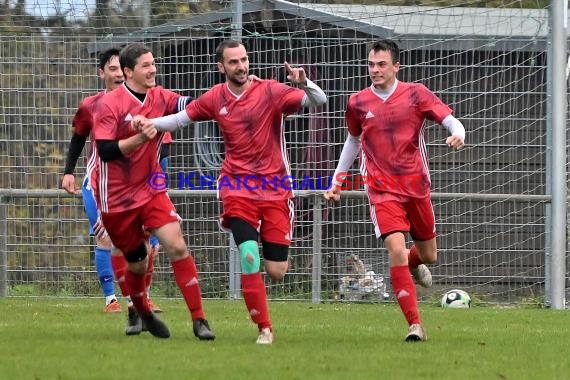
<point>49,253</point>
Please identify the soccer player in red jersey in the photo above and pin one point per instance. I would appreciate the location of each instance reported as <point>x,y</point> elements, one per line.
<point>256,201</point>
<point>110,73</point>
<point>129,205</point>
<point>386,123</point>
<point>105,253</point>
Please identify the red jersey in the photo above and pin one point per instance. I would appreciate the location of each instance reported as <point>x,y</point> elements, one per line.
<point>167,139</point>
<point>123,184</point>
<point>256,165</point>
<point>394,156</point>
<point>83,124</point>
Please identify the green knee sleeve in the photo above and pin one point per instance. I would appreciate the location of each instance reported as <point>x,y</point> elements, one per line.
<point>249,254</point>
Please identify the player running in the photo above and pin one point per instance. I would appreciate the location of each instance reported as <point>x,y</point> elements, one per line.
<point>256,206</point>
<point>386,122</point>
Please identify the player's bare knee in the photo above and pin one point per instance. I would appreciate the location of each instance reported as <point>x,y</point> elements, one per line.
<point>276,273</point>
<point>138,268</point>
<point>429,257</point>
<point>276,276</point>
<point>276,270</point>
<point>176,249</point>
<point>397,257</point>
<point>177,253</point>
<point>400,253</point>
<point>427,250</point>
<point>276,259</point>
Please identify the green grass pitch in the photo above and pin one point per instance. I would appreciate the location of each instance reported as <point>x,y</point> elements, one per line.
<point>73,339</point>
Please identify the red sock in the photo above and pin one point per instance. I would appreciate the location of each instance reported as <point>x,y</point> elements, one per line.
<point>150,268</point>
<point>413,259</point>
<point>119,268</point>
<point>186,277</point>
<point>135,282</point>
<point>405,292</point>
<point>255,297</point>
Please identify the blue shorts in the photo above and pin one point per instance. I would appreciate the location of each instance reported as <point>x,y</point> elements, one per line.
<point>164,164</point>
<point>89,204</point>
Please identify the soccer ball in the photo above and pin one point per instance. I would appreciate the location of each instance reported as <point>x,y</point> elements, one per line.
<point>456,299</point>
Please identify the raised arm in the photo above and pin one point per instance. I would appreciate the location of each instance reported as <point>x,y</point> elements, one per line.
<point>315,96</point>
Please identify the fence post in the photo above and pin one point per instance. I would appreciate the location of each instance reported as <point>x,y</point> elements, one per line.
<point>317,254</point>
<point>3,248</point>
<point>557,93</point>
<point>235,268</point>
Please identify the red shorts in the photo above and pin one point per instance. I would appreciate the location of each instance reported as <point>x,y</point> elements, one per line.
<point>272,219</point>
<point>414,216</point>
<point>127,229</point>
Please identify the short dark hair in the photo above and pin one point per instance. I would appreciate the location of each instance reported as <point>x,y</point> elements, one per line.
<point>106,56</point>
<point>131,53</point>
<point>225,45</point>
<point>387,45</point>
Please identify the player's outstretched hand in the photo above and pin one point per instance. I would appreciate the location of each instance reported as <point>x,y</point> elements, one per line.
<point>296,74</point>
<point>332,194</point>
<point>68,184</point>
<point>455,141</point>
